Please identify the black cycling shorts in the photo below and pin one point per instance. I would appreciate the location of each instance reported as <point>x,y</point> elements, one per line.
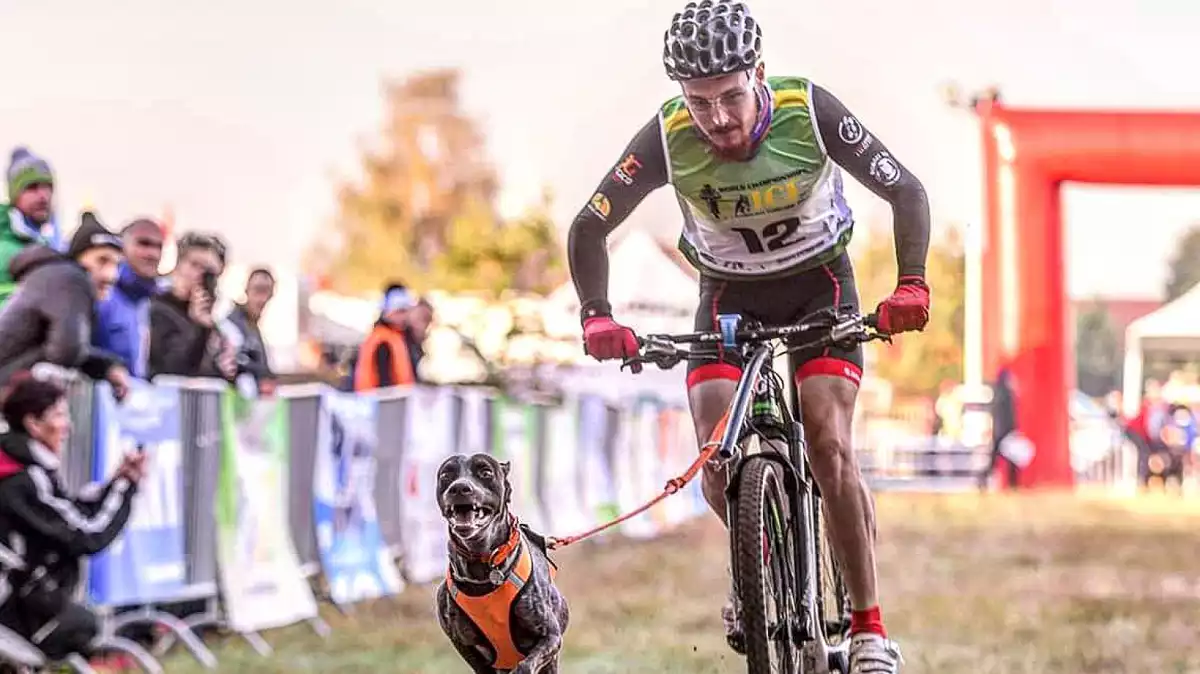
<point>776,302</point>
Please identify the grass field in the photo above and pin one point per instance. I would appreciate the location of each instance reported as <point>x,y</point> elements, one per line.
<point>971,584</point>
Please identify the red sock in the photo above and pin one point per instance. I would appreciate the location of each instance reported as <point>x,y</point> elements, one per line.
<point>870,621</point>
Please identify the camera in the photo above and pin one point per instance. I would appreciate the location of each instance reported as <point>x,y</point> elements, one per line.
<point>209,282</point>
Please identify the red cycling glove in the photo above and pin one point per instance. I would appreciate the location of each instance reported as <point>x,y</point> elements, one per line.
<point>605,339</point>
<point>907,309</point>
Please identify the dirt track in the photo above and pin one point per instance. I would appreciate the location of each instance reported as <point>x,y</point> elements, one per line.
<point>971,585</point>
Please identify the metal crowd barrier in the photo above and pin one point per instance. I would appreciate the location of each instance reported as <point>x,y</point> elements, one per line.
<point>925,465</point>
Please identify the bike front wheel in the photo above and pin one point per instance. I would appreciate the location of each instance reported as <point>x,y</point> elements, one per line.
<point>762,548</point>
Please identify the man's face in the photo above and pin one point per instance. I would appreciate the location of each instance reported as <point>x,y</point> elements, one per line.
<point>259,290</point>
<point>143,250</point>
<point>725,108</point>
<point>101,265</point>
<point>191,267</point>
<point>34,202</point>
<point>397,318</point>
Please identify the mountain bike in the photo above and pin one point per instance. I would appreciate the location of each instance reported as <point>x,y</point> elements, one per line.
<point>795,609</point>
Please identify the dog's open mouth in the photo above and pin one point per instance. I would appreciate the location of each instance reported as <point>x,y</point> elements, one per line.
<point>468,517</point>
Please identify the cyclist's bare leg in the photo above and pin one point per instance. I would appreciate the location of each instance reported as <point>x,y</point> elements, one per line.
<point>709,400</point>
<point>827,405</point>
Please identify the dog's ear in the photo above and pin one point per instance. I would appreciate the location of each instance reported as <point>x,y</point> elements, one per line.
<point>504,468</point>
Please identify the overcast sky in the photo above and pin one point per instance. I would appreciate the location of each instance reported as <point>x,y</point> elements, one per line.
<point>240,114</point>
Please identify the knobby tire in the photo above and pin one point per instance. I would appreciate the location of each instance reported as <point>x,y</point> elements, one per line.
<point>761,490</point>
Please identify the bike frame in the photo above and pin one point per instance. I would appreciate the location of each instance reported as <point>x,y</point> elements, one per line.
<point>803,501</point>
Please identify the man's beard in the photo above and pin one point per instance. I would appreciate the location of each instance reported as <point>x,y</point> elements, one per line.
<point>721,145</point>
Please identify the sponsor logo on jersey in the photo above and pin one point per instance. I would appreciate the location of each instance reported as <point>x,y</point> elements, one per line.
<point>850,130</point>
<point>627,169</point>
<point>600,206</point>
<point>884,169</point>
<point>865,145</point>
<point>766,196</point>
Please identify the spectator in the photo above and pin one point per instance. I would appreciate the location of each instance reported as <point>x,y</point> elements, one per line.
<point>50,317</point>
<point>416,331</point>
<point>183,340</point>
<point>947,411</point>
<point>1004,423</point>
<point>24,220</point>
<point>384,359</point>
<point>248,341</point>
<point>52,529</point>
<point>123,318</point>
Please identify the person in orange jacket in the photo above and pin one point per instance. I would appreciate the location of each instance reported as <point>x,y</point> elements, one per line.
<point>383,358</point>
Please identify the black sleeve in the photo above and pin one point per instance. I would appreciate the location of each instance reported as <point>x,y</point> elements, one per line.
<point>383,365</point>
<point>66,303</point>
<point>97,362</point>
<point>641,169</point>
<point>174,350</point>
<point>867,159</point>
<point>75,528</point>
<point>69,311</point>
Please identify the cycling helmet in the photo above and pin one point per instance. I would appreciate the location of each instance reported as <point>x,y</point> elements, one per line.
<point>710,38</point>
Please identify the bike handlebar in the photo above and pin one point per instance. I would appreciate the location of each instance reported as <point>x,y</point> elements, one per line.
<point>836,328</point>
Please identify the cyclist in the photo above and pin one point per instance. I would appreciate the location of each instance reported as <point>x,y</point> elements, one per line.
<point>754,163</point>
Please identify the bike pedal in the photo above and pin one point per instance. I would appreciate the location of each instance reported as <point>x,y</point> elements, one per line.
<point>839,662</point>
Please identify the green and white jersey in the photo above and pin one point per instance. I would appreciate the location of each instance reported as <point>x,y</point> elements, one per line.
<point>780,212</point>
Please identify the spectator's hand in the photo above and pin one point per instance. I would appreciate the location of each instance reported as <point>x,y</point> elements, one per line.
<point>200,307</point>
<point>266,387</point>
<point>118,378</point>
<point>133,468</point>
<point>227,361</point>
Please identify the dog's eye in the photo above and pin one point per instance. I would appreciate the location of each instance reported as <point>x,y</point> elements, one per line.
<point>486,474</point>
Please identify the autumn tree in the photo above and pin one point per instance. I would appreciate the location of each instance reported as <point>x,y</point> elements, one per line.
<point>1184,271</point>
<point>916,363</point>
<point>1097,351</point>
<point>423,210</point>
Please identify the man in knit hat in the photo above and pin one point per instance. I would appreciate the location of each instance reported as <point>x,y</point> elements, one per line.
<point>50,316</point>
<point>29,216</point>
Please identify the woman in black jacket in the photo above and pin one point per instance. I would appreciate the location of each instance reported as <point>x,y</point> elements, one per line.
<point>51,530</point>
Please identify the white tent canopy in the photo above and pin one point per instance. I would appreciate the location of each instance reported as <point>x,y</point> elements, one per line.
<point>1174,327</point>
<point>647,289</point>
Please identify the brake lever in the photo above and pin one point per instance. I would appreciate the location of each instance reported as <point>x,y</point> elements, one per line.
<point>631,363</point>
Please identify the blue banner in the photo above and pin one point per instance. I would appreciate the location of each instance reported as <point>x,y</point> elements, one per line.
<point>146,564</point>
<point>355,559</point>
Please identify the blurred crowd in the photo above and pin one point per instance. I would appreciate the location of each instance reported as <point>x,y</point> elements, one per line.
<point>96,303</point>
<point>1165,429</point>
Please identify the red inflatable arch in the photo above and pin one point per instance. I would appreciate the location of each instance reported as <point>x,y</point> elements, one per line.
<point>1028,154</point>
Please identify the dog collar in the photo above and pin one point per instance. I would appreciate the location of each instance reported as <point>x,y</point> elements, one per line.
<point>502,553</point>
<point>498,557</point>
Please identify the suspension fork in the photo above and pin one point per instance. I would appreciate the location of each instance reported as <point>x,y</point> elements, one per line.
<point>813,645</point>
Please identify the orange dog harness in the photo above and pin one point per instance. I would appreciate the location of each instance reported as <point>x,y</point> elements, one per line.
<point>491,612</point>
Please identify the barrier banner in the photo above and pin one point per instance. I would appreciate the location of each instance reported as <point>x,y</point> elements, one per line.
<point>675,453</point>
<point>429,430</point>
<point>474,421</point>
<point>563,481</point>
<point>356,562</point>
<point>516,441</point>
<point>598,495</point>
<point>146,563</point>
<point>635,466</point>
<point>262,586</point>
